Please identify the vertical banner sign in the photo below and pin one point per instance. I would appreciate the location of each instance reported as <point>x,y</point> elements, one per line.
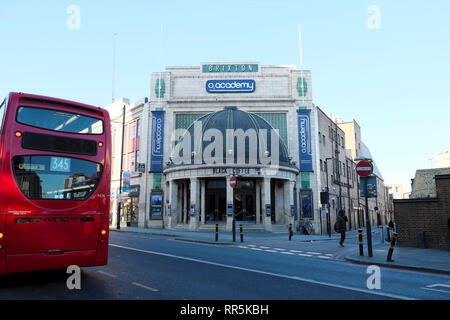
<point>268,212</point>
<point>157,151</point>
<point>126,182</point>
<point>304,140</point>
<point>230,210</point>
<point>307,204</point>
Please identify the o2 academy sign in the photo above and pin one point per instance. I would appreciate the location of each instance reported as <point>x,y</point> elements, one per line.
<point>224,86</point>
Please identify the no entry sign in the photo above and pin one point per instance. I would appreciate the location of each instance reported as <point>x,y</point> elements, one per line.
<point>232,182</point>
<point>364,168</point>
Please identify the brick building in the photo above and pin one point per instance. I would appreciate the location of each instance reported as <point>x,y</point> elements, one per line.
<point>429,215</point>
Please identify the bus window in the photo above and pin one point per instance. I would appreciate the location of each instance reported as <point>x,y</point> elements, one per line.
<point>49,177</point>
<point>59,121</point>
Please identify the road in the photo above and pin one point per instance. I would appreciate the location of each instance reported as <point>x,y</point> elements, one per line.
<point>151,267</point>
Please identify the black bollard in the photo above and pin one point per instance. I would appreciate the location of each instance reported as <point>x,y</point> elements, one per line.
<point>388,230</point>
<point>361,248</point>
<point>242,232</point>
<point>217,232</point>
<point>391,248</point>
<point>290,231</point>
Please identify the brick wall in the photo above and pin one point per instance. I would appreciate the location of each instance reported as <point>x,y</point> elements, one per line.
<point>428,215</point>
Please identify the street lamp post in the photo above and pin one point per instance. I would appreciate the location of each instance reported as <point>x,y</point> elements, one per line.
<point>328,200</point>
<point>121,168</point>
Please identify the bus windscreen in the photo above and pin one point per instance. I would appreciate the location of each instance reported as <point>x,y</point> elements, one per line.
<point>50,177</point>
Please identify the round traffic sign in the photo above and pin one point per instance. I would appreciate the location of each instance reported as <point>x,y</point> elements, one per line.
<point>364,168</point>
<point>232,182</point>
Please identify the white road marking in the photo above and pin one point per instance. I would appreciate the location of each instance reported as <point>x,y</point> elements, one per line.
<point>285,252</point>
<point>366,291</point>
<point>296,251</point>
<point>324,257</point>
<point>256,249</point>
<point>304,255</point>
<point>251,245</point>
<point>279,249</point>
<point>145,287</point>
<point>107,274</point>
<point>433,286</point>
<point>242,247</point>
<point>272,251</point>
<point>264,247</point>
<point>312,252</point>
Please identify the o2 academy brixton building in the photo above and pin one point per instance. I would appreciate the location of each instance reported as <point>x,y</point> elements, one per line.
<point>217,141</point>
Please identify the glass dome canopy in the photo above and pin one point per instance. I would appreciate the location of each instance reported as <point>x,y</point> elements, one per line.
<point>231,136</point>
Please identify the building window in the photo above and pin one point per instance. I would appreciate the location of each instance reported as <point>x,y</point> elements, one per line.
<point>277,121</point>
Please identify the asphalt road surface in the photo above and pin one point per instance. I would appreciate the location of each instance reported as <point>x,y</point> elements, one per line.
<point>165,268</point>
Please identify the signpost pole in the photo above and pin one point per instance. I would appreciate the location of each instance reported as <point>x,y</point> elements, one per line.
<point>368,227</point>
<point>233,185</point>
<point>364,169</point>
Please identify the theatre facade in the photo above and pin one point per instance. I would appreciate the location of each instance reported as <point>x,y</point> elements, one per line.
<point>217,141</point>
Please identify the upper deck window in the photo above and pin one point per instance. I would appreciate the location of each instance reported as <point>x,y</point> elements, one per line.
<point>57,120</point>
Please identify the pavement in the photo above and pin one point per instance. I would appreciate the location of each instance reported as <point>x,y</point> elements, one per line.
<point>428,260</point>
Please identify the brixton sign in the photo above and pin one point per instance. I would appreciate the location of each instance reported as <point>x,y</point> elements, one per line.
<point>364,168</point>
<point>224,86</point>
<point>224,68</point>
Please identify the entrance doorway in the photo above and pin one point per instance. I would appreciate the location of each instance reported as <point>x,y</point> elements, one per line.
<point>245,201</point>
<point>215,201</point>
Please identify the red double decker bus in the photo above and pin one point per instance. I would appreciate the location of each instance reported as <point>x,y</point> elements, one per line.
<point>55,159</point>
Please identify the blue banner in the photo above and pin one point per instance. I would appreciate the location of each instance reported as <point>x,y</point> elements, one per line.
<point>304,140</point>
<point>126,182</point>
<point>268,210</point>
<point>157,151</point>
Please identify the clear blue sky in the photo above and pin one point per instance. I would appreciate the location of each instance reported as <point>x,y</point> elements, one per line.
<point>394,81</point>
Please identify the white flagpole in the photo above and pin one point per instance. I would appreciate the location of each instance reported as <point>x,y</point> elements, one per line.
<point>301,62</point>
<point>114,68</point>
<point>160,64</point>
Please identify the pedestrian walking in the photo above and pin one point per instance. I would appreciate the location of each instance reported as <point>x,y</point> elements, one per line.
<point>391,225</point>
<point>341,225</point>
